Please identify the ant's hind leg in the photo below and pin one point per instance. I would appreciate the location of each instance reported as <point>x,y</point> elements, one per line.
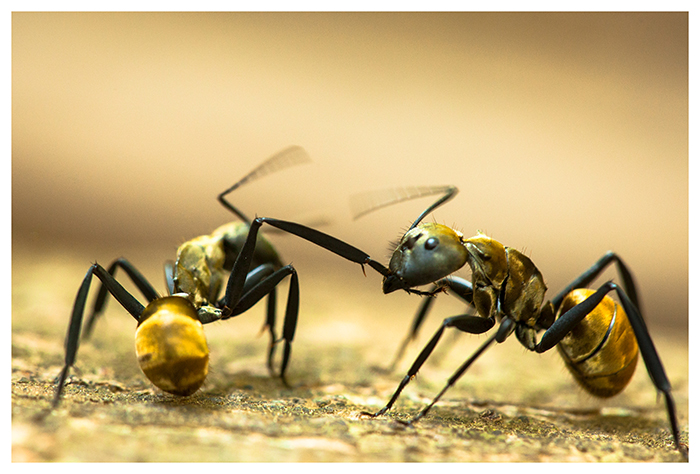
<point>101,299</point>
<point>585,279</point>
<point>73,336</point>
<point>567,321</point>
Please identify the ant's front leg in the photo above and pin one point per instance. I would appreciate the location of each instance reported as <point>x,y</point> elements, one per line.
<point>466,323</point>
<point>504,330</point>
<point>253,279</point>
<point>328,242</point>
<point>267,287</point>
<point>239,296</point>
<point>458,287</point>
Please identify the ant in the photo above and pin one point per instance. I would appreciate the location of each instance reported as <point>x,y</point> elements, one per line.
<point>170,344</point>
<point>598,338</point>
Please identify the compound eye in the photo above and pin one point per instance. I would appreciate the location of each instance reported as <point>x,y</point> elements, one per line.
<point>411,242</point>
<point>431,243</point>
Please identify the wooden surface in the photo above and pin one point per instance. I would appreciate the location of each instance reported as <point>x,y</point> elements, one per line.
<point>511,406</point>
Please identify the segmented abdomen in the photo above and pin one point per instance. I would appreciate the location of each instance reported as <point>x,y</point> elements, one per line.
<point>601,351</point>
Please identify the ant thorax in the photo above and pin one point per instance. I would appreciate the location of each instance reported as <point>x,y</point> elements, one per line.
<point>199,269</point>
<point>494,265</point>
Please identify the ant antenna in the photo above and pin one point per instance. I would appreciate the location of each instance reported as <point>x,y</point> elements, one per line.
<point>365,203</point>
<point>290,156</point>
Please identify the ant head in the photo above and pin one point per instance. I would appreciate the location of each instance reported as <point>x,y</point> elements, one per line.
<point>426,253</point>
<point>170,346</point>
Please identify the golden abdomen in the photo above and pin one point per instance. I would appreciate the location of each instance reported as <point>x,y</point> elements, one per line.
<point>601,351</point>
<point>171,347</point>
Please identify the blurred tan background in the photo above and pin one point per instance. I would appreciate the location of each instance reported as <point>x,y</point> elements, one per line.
<point>567,135</point>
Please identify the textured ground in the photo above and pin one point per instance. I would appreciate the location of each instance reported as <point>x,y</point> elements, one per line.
<point>511,406</point>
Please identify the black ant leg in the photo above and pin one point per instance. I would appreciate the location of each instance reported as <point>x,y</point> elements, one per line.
<point>271,311</point>
<point>253,279</point>
<point>259,291</point>
<point>460,288</point>
<point>241,268</point>
<point>466,323</point>
<point>235,301</point>
<point>73,336</point>
<point>328,242</point>
<point>592,273</point>
<point>268,287</point>
<point>567,321</point>
<point>291,312</point>
<point>101,299</point>
<point>504,330</point>
<point>270,319</point>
